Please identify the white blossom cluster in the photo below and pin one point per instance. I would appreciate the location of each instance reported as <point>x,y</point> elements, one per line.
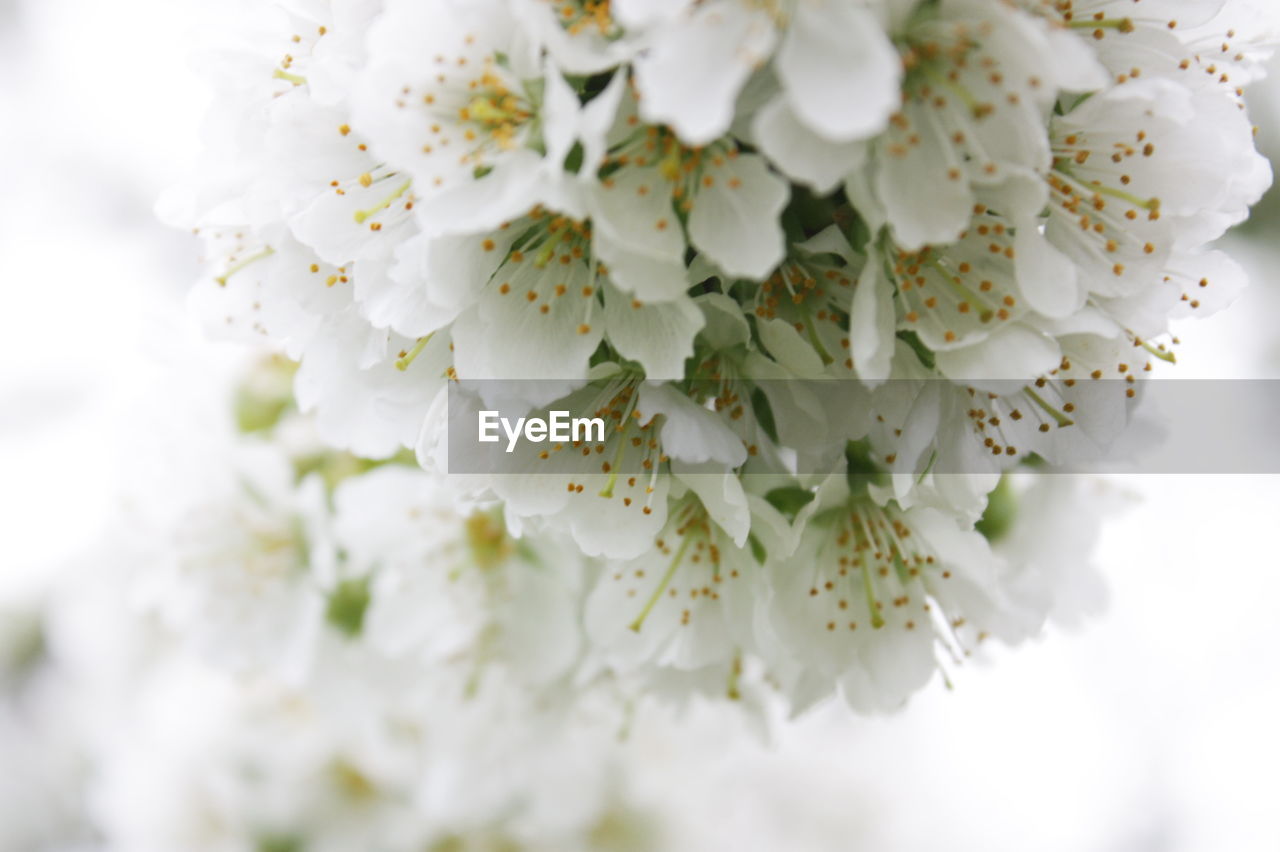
<point>958,216</point>
<point>284,648</point>
<point>118,738</point>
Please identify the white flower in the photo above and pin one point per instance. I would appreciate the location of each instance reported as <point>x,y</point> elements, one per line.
<point>256,290</point>
<point>446,581</point>
<point>979,78</point>
<point>1207,282</point>
<point>963,302</point>
<point>1072,414</point>
<point>611,495</point>
<point>325,44</point>
<point>800,308</point>
<point>871,592</point>
<point>1194,42</point>
<point>799,326</point>
<point>455,95</point>
<point>581,36</point>
<point>1053,568</point>
<point>652,187</point>
<point>1139,170</point>
<point>689,601</point>
<point>281,56</point>
<point>250,556</point>
<point>531,300</point>
<point>338,198</point>
<point>370,389</point>
<point>836,66</point>
<point>583,491</point>
<point>538,310</point>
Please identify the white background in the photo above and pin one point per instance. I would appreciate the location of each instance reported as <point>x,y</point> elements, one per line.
<point>1155,728</point>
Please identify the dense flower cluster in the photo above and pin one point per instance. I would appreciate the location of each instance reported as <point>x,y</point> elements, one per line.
<point>957,215</point>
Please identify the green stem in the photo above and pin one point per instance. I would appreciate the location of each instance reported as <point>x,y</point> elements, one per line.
<point>662,585</point>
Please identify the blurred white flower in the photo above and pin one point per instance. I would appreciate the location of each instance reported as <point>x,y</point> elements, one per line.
<point>243,565</point>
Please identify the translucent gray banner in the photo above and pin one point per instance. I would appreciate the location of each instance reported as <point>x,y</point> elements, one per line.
<point>621,424</point>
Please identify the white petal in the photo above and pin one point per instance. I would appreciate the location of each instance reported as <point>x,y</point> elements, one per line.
<point>595,120</point>
<point>721,494</point>
<point>657,334</point>
<point>362,402</point>
<point>514,186</point>
<point>789,349</point>
<point>649,278</point>
<point>859,189</point>
<point>689,432</point>
<point>611,528</point>
<point>839,69</point>
<point>735,220</point>
<point>1020,193</point>
<point>725,325</point>
<point>633,210</point>
<point>892,667</point>
<point>1075,67</point>
<point>799,152</point>
<point>871,325</point>
<point>830,240</point>
<point>1211,280</point>
<point>926,197</point>
<point>1011,353</point>
<point>1049,281</point>
<point>400,299</point>
<point>338,228</point>
<point>691,75</point>
<point>644,13</point>
<point>560,118</point>
<point>507,337</point>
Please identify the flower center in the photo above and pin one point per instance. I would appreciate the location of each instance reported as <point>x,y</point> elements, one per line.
<point>868,559</point>
<point>693,529</point>
<point>579,16</point>
<point>807,293</point>
<point>494,115</point>
<point>549,266</point>
<point>1090,187</point>
<point>955,292</point>
<point>681,167</point>
<point>487,540</point>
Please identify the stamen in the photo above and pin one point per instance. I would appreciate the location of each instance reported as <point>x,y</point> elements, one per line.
<point>1124,25</point>
<point>362,215</point>
<point>1160,352</point>
<point>663,583</point>
<point>295,79</point>
<point>236,267</point>
<point>403,362</point>
<point>1059,417</point>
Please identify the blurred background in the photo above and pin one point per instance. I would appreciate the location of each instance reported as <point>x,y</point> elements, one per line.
<point>1153,727</point>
